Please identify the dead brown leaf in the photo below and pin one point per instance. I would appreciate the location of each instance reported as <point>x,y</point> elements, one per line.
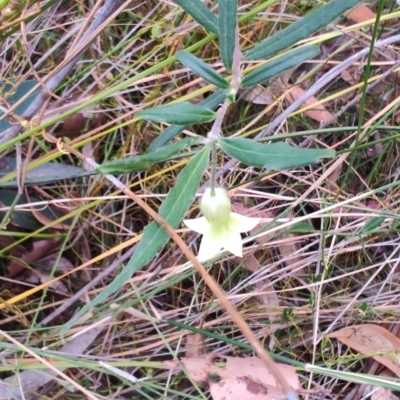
<point>360,13</point>
<point>38,250</point>
<point>242,388</point>
<point>380,393</point>
<point>372,340</point>
<point>194,345</point>
<point>257,95</point>
<point>200,369</point>
<point>318,113</point>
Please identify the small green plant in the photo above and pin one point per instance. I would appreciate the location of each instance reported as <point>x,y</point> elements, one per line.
<point>276,156</point>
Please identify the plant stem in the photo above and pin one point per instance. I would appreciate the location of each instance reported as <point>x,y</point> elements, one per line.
<point>213,166</point>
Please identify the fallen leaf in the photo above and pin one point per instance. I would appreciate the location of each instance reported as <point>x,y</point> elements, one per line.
<point>45,219</point>
<point>37,277</point>
<point>194,345</point>
<point>351,75</point>
<point>360,13</point>
<point>256,95</point>
<point>37,251</point>
<point>242,388</point>
<point>372,340</point>
<point>263,285</point>
<point>318,113</point>
<point>380,393</point>
<point>224,367</point>
<point>63,264</point>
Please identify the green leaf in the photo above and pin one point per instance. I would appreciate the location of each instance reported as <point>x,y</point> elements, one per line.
<point>200,13</point>
<point>202,69</point>
<point>178,113</point>
<point>12,96</point>
<point>278,65</point>
<point>22,218</point>
<point>144,161</point>
<point>227,22</point>
<point>301,227</point>
<point>210,102</point>
<point>371,224</point>
<point>46,173</point>
<point>277,156</point>
<point>178,201</point>
<point>301,29</point>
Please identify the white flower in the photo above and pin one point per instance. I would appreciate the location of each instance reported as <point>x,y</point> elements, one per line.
<point>220,226</point>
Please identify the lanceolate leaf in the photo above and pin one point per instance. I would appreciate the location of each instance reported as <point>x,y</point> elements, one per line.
<point>178,113</point>
<point>200,13</point>
<point>178,201</point>
<point>202,69</point>
<point>227,21</point>
<point>144,161</point>
<point>301,29</point>
<point>210,102</point>
<point>276,156</point>
<point>48,172</point>
<point>278,65</point>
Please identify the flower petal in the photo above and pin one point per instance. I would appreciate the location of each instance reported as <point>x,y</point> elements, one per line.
<point>233,243</point>
<point>199,225</point>
<point>239,223</point>
<point>211,243</point>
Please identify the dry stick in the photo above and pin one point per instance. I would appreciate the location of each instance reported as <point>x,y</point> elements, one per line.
<point>112,267</point>
<point>219,294</point>
<point>105,14</point>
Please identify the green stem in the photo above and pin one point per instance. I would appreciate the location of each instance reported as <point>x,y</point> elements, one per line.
<point>213,166</point>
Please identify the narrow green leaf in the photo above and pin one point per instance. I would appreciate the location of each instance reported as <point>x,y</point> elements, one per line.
<point>371,224</point>
<point>23,218</point>
<point>210,102</point>
<point>278,65</point>
<point>277,156</point>
<point>227,21</point>
<point>200,13</point>
<point>178,113</point>
<point>301,29</point>
<point>144,161</point>
<point>46,173</point>
<point>12,96</point>
<point>202,69</point>
<point>178,201</point>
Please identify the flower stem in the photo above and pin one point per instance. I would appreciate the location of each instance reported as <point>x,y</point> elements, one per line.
<point>213,166</point>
